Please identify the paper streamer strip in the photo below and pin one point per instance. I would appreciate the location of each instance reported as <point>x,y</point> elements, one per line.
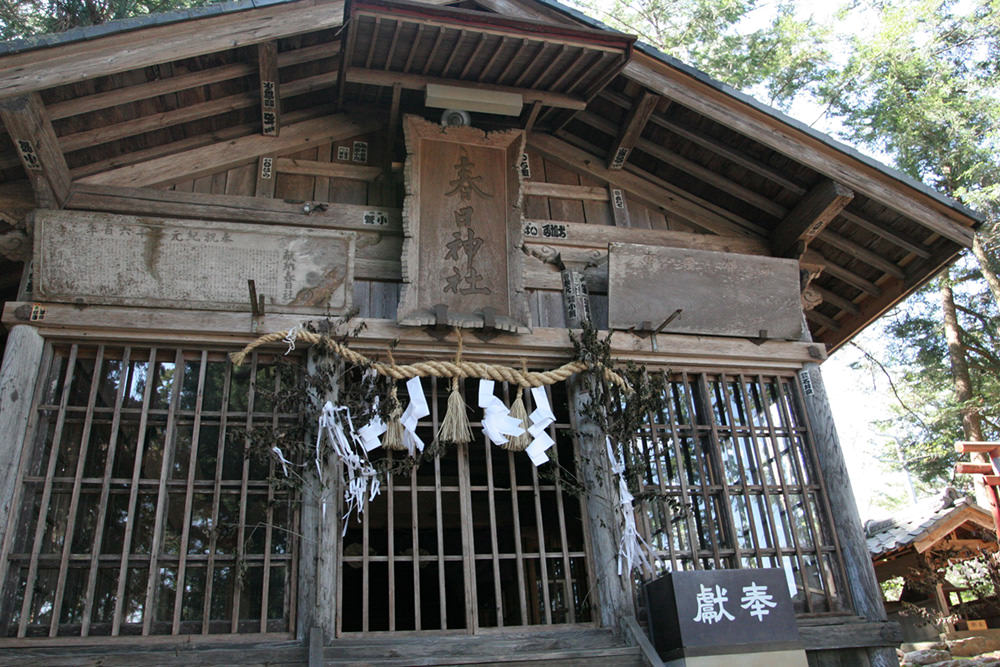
<point>281,457</point>
<point>541,418</point>
<point>414,412</point>
<point>370,433</point>
<point>632,550</point>
<point>498,425</point>
<point>362,479</point>
<point>291,336</point>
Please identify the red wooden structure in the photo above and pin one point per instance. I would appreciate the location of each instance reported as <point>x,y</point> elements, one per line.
<point>989,470</point>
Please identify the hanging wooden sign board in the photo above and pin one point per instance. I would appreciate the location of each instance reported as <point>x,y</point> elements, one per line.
<point>718,293</point>
<point>102,258</point>
<point>462,228</point>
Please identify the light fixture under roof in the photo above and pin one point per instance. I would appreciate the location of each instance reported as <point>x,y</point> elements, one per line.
<point>440,96</point>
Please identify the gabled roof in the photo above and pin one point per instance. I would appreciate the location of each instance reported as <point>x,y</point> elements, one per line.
<point>112,98</point>
<point>925,524</point>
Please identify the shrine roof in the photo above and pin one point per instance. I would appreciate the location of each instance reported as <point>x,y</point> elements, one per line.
<point>933,518</point>
<point>712,159</point>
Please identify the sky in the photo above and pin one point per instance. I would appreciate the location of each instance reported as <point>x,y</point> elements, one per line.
<point>857,400</point>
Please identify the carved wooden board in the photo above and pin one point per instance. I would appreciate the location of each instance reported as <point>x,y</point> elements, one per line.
<point>462,227</point>
<point>720,294</point>
<point>100,258</point>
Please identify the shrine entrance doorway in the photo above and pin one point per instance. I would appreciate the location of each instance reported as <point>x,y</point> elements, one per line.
<point>474,537</point>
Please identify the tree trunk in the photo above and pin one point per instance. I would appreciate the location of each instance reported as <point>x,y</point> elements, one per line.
<point>987,264</point>
<point>971,421</point>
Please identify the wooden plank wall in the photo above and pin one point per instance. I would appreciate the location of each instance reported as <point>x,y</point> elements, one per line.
<point>638,216</point>
<point>376,289</point>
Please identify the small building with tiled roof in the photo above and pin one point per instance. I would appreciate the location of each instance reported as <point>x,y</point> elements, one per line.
<point>924,539</point>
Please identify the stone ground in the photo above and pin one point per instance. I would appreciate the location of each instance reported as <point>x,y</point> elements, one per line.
<point>966,652</point>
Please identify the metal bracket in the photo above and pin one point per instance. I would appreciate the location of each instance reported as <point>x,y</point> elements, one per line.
<point>646,328</point>
<point>440,329</point>
<point>256,302</point>
<point>489,330</point>
<point>761,337</point>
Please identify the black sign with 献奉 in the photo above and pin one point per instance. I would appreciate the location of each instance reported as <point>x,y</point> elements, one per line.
<point>716,609</point>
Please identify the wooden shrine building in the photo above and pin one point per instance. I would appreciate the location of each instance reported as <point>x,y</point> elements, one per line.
<point>506,168</point>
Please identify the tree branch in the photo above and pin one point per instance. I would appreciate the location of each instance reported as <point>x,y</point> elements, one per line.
<point>892,386</point>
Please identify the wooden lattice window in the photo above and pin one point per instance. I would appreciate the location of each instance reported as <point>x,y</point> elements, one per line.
<point>475,538</point>
<point>139,510</point>
<point>729,480</point>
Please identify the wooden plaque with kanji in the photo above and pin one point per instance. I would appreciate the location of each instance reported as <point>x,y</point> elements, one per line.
<point>462,228</point>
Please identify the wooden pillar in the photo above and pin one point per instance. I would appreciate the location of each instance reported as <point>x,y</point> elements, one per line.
<point>18,377</point>
<point>321,507</point>
<point>614,592</point>
<point>861,582</point>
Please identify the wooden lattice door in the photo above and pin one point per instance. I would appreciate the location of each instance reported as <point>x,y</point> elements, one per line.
<point>474,537</point>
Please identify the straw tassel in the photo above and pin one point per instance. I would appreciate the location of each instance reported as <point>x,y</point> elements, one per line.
<point>518,443</point>
<point>455,425</point>
<point>393,438</point>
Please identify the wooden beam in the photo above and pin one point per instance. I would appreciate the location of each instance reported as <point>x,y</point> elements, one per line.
<point>964,468</point>
<point>392,131</point>
<point>879,230</point>
<point>764,128</point>
<point>582,235</point>
<point>420,81</point>
<point>270,95</point>
<point>820,318</point>
<point>893,291</point>
<point>179,82</point>
<point>635,122</point>
<point>265,176</point>
<point>637,186</point>
<point>861,253</point>
<point>286,165</point>
<point>718,181</point>
<point>529,124</point>
<point>37,69</point>
<point>31,131</point>
<point>813,212</point>
<point>157,121</point>
<point>224,155</point>
<point>561,191</point>
<point>543,346</point>
<point>836,300</point>
<point>224,134</point>
<point>966,447</point>
<point>198,206</point>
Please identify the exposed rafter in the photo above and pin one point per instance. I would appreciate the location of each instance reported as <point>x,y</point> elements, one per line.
<point>31,130</point>
<point>270,95</point>
<point>630,132</point>
<point>757,125</point>
<point>220,156</point>
<point>87,59</point>
<point>648,192</point>
<point>813,212</point>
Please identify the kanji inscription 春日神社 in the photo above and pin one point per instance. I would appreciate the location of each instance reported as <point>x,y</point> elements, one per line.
<point>462,226</point>
<point>464,277</point>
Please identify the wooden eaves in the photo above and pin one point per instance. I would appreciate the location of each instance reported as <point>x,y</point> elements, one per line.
<point>710,159</point>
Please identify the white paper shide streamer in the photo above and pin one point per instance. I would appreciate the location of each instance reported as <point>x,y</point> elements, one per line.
<point>498,425</point>
<point>361,478</point>
<point>632,550</point>
<point>414,412</point>
<point>541,419</point>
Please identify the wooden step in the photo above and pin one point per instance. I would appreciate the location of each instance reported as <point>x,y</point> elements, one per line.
<point>621,656</point>
<point>520,647</point>
<point>586,646</point>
